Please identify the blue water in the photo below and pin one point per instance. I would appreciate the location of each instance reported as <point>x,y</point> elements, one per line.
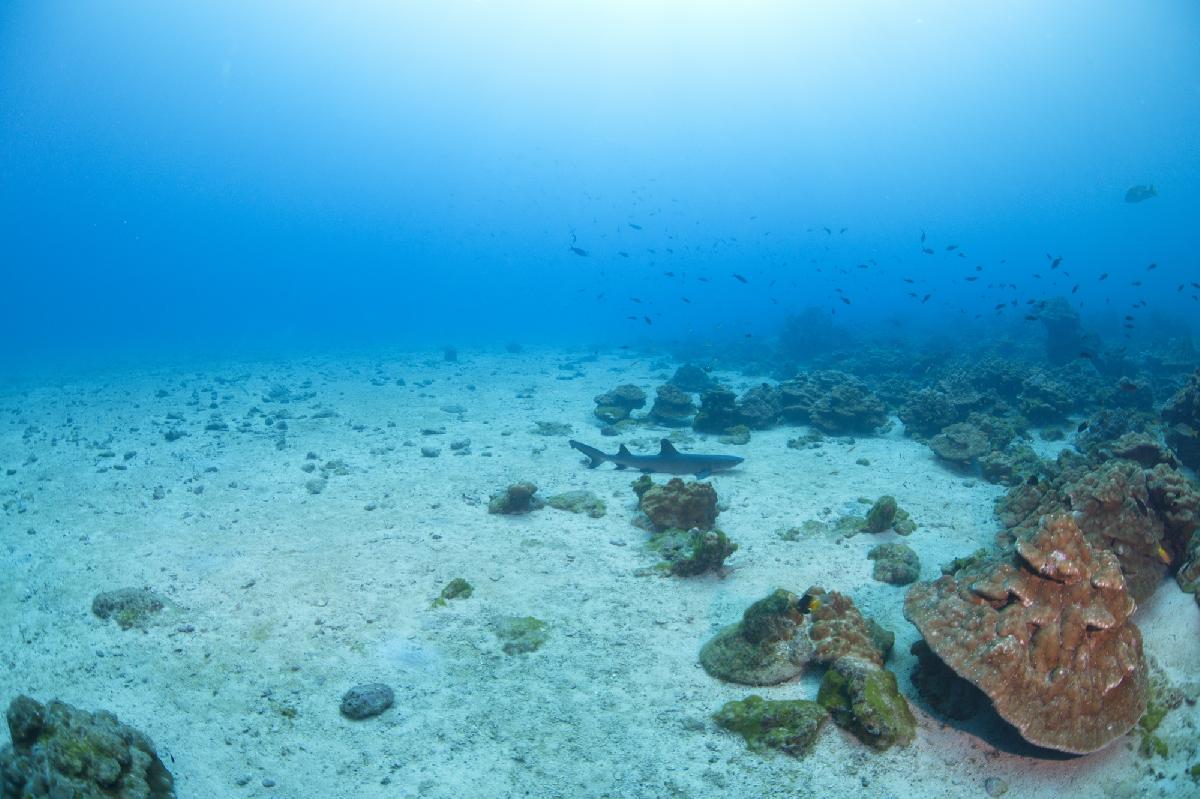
<point>195,177</point>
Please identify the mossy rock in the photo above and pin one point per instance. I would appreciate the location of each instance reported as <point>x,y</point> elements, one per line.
<point>882,514</point>
<point>764,648</point>
<point>60,750</point>
<point>865,700</point>
<point>688,553</point>
<point>789,726</point>
<point>578,502</point>
<point>737,435</point>
<point>896,564</point>
<point>520,635</point>
<point>517,499</point>
<point>128,607</point>
<point>458,588</point>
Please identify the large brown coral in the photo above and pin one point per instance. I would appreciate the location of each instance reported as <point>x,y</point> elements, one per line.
<point>679,505</point>
<point>1045,633</point>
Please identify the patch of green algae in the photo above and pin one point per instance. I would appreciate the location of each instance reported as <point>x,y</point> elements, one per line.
<point>868,703</point>
<point>789,726</point>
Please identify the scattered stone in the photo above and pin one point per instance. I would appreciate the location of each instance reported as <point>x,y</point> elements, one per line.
<point>315,485</point>
<point>694,552</point>
<point>365,701</point>
<point>994,786</point>
<point>174,434</point>
<point>552,429</point>
<point>129,607</point>
<point>430,452</point>
<point>960,443</point>
<point>520,635</point>
<point>578,502</point>
<point>895,563</point>
<point>789,726</point>
<point>61,751</point>
<point>518,498</point>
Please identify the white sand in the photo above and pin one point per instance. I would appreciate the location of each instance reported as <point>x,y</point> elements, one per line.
<point>293,598</point>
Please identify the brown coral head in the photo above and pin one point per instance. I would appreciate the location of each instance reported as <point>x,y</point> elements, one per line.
<point>1046,635</point>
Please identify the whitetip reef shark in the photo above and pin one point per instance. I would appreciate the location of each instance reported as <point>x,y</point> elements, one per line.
<point>668,460</point>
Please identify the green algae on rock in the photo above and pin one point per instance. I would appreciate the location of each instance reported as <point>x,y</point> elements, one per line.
<point>789,726</point>
<point>764,648</point>
<point>677,505</point>
<point>458,588</point>
<point>61,751</point>
<point>520,635</point>
<point>578,502</point>
<point>863,698</point>
<point>129,607</point>
<point>896,564</point>
<point>694,552</point>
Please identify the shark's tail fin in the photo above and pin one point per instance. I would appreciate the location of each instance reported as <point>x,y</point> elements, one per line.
<point>595,456</point>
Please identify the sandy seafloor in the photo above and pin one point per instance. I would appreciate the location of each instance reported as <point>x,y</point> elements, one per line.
<point>282,599</point>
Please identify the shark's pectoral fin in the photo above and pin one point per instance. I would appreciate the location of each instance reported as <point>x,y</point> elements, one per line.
<point>703,473</point>
<point>619,465</point>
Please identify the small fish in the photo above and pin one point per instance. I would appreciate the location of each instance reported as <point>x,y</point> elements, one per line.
<point>951,247</point>
<point>971,279</point>
<point>1137,194</point>
<point>925,299</point>
<point>622,253</point>
<point>927,250</point>
<point>1141,506</point>
<point>910,280</point>
<point>1056,262</point>
<point>579,251</point>
<point>808,603</point>
<point>1089,355</point>
<point>1163,555</point>
<point>922,235</point>
<point>1082,426</point>
<point>1151,267</point>
<point>846,300</point>
<point>1104,276</point>
<point>669,274</point>
<point>635,227</point>
<point>740,278</point>
<point>647,318</point>
<point>828,232</point>
<point>1075,288</point>
<point>1032,480</point>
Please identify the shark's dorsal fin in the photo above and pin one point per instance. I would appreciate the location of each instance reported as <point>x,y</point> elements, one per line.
<point>666,448</point>
<point>624,450</point>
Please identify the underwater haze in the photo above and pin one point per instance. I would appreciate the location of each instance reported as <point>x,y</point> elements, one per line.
<point>606,400</point>
<point>223,175</point>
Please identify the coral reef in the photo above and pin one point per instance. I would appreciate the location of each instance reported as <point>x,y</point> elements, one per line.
<point>789,725</point>
<point>672,407</point>
<point>1182,415</point>
<point>833,402</point>
<point>617,405</point>
<point>760,407</point>
<point>885,515</point>
<point>677,505</point>
<point>1045,633</point>
<point>692,378</point>
<point>896,564</point>
<point>61,751</point>
<point>518,498</point>
<point>718,411</point>
<point>960,443</point>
